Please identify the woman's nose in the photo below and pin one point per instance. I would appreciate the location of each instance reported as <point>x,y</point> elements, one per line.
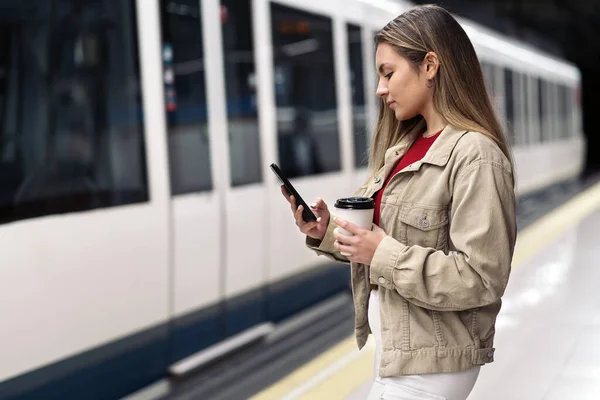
<point>382,91</point>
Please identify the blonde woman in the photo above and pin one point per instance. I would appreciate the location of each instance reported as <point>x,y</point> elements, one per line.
<point>428,278</point>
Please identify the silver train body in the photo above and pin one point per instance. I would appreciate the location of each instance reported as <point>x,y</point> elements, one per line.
<point>139,221</point>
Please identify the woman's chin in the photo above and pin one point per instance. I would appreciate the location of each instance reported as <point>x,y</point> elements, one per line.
<point>400,116</point>
<point>404,116</point>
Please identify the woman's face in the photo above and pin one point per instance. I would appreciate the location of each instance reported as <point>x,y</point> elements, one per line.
<point>403,89</point>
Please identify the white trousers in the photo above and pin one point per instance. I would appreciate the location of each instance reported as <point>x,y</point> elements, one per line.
<point>443,386</point>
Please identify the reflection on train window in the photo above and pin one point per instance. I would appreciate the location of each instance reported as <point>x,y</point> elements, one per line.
<point>185,96</point>
<point>240,79</point>
<point>509,106</point>
<point>307,122</point>
<point>357,85</point>
<point>71,132</point>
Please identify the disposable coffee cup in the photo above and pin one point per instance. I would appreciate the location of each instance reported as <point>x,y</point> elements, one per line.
<point>358,210</point>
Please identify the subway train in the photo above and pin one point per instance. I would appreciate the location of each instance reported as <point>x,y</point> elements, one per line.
<point>140,225</point>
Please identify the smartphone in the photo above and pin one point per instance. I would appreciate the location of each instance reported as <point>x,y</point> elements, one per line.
<point>307,214</point>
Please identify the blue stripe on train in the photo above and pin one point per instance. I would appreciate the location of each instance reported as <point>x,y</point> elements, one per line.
<point>126,365</point>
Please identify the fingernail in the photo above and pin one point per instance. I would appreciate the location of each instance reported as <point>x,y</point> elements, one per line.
<point>319,219</point>
<point>313,205</point>
<point>334,219</point>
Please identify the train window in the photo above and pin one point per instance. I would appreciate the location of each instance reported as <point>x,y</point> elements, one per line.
<point>533,109</point>
<point>540,106</point>
<point>523,110</point>
<point>559,112</point>
<point>568,112</point>
<point>185,96</point>
<point>71,123</point>
<point>574,111</point>
<point>240,83</point>
<point>357,85</point>
<point>556,120</point>
<point>551,109</point>
<point>509,105</point>
<point>564,111</point>
<point>307,122</point>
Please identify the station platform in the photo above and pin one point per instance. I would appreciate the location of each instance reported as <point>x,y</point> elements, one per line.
<point>548,331</point>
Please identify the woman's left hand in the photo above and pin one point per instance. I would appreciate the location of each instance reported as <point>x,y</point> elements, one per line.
<point>362,245</point>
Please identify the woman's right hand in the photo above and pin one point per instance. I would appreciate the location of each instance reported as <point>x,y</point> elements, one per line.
<point>316,229</point>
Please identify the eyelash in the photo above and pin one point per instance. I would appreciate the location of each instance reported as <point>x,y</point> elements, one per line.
<point>388,76</point>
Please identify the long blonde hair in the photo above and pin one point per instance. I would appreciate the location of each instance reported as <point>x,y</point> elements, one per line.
<point>460,94</point>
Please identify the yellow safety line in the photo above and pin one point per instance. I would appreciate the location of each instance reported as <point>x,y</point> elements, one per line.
<point>539,234</point>
<point>279,389</point>
<point>342,382</point>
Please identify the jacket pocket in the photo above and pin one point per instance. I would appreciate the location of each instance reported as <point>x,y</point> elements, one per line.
<point>425,226</point>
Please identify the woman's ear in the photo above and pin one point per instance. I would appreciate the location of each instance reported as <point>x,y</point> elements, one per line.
<point>431,65</point>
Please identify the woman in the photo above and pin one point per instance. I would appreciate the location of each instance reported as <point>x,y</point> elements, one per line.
<point>428,278</point>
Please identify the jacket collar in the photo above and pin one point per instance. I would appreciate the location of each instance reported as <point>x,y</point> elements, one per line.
<point>440,150</point>
<point>438,154</point>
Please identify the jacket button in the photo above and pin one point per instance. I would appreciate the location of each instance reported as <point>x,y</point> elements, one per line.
<point>381,280</point>
<point>490,354</point>
<point>425,223</point>
<point>377,179</point>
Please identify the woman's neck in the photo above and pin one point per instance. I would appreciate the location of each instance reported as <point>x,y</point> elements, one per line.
<point>434,122</point>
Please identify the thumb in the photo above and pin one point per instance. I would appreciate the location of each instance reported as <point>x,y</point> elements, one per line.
<point>319,204</point>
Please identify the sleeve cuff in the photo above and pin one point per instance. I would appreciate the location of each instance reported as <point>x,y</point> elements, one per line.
<point>325,245</point>
<point>384,262</point>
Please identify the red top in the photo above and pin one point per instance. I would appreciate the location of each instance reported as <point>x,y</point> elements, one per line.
<point>416,152</point>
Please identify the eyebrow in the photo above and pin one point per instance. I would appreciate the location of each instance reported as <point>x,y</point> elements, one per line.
<point>381,66</point>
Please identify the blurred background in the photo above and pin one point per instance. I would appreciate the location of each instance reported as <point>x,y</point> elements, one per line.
<point>146,249</point>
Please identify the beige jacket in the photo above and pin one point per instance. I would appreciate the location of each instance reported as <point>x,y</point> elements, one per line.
<point>442,269</point>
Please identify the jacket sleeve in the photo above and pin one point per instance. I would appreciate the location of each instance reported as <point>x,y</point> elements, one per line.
<point>483,234</point>
<point>325,247</point>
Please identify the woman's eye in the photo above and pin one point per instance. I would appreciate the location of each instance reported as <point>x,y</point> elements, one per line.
<point>388,76</point>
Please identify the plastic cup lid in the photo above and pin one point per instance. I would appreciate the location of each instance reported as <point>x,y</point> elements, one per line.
<point>355,203</point>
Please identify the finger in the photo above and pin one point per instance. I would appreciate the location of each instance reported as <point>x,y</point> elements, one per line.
<point>343,238</point>
<point>298,215</point>
<point>347,225</point>
<point>344,249</point>
<point>293,204</point>
<point>285,193</point>
<point>308,226</point>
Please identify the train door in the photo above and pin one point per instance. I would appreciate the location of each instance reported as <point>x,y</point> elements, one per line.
<point>218,208</point>
<point>196,179</point>
<point>232,28</point>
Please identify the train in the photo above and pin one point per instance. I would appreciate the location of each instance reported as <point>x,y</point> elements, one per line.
<point>140,223</point>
